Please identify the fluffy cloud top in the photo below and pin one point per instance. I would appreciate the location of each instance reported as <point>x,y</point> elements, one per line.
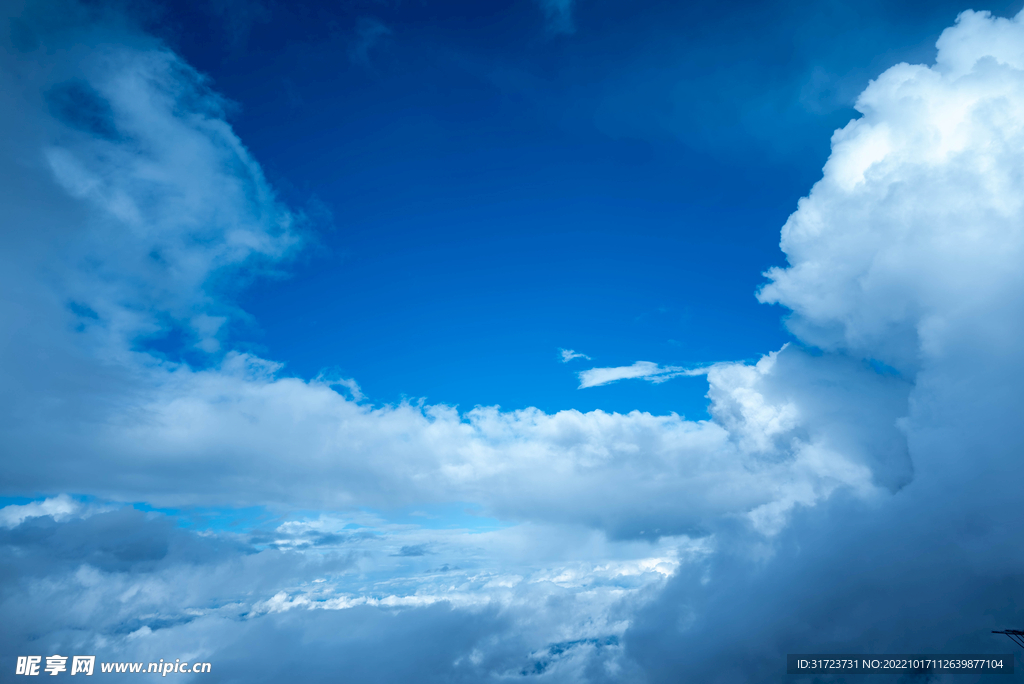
<point>905,255</point>
<point>913,235</point>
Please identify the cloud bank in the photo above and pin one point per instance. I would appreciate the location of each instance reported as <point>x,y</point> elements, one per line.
<point>843,483</point>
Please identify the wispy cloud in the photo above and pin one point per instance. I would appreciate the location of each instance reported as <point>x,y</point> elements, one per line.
<point>651,372</point>
<point>569,354</point>
<point>558,15</point>
<point>369,33</point>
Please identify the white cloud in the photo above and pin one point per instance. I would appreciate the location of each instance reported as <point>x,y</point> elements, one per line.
<point>906,255</point>
<point>569,354</point>
<point>239,431</point>
<point>914,228</point>
<point>59,508</point>
<point>158,193</point>
<point>647,370</point>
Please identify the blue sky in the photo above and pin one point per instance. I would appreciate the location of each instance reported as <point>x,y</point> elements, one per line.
<point>550,341</point>
<point>486,191</point>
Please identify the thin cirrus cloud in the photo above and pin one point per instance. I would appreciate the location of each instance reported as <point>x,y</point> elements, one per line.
<point>370,33</point>
<point>570,354</point>
<point>846,480</point>
<point>558,15</point>
<point>647,370</point>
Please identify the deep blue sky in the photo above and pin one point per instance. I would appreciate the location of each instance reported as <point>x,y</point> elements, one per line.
<point>484,190</point>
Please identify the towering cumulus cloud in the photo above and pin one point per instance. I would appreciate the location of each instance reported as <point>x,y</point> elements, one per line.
<point>905,254</point>
<point>849,494</point>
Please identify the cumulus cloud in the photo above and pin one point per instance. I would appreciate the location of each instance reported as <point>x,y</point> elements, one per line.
<point>914,226</point>
<point>647,370</point>
<point>904,255</point>
<point>569,354</point>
